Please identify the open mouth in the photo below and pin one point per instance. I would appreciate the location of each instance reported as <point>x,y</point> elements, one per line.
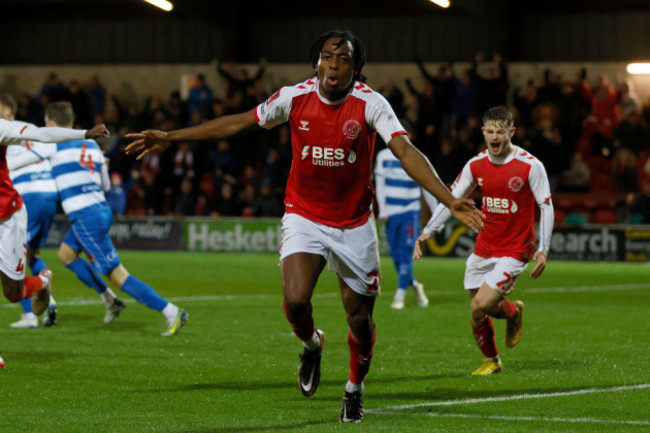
<point>495,146</point>
<point>332,81</point>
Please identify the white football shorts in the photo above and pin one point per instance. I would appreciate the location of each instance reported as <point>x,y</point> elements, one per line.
<point>352,253</point>
<point>13,232</point>
<point>500,273</point>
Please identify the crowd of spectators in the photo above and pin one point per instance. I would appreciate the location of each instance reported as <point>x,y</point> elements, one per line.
<point>591,136</point>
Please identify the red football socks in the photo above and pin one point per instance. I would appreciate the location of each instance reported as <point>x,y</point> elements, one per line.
<point>506,309</point>
<point>360,355</point>
<point>31,286</point>
<point>484,336</point>
<point>303,326</point>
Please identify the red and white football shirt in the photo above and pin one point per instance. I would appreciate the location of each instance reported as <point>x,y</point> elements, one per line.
<point>10,200</point>
<point>333,145</point>
<point>509,189</point>
<point>14,132</point>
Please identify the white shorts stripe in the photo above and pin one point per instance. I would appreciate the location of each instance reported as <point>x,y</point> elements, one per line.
<point>13,247</point>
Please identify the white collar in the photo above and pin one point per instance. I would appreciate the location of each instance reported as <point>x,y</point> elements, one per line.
<point>500,161</point>
<point>327,101</point>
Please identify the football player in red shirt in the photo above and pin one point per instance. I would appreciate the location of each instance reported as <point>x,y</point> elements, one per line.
<point>334,118</point>
<point>510,181</point>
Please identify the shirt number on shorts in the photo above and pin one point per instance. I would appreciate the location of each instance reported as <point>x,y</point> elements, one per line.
<point>376,276</point>
<point>505,284</point>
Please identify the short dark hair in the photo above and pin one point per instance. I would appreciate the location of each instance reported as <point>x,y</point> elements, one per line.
<point>499,114</point>
<point>358,50</point>
<point>8,101</point>
<point>60,113</point>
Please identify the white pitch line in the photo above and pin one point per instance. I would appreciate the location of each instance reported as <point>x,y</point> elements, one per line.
<point>534,418</point>
<point>509,398</point>
<point>588,288</point>
<point>89,301</point>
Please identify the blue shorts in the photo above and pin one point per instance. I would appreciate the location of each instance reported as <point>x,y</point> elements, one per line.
<point>39,220</point>
<point>401,232</point>
<point>89,233</point>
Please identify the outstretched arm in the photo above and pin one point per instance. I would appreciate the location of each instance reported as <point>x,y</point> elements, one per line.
<point>260,71</point>
<point>424,71</point>
<point>152,140</point>
<point>225,74</point>
<point>420,169</point>
<point>15,133</point>
<point>22,159</point>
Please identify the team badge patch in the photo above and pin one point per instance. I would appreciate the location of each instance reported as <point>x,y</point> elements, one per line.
<point>352,129</point>
<point>515,184</point>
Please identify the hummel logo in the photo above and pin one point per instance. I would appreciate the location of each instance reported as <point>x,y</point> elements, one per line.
<point>480,181</point>
<point>304,125</point>
<point>305,152</point>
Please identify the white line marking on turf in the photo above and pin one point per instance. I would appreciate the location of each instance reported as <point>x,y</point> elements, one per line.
<point>89,301</point>
<point>588,288</point>
<point>509,397</point>
<point>534,418</point>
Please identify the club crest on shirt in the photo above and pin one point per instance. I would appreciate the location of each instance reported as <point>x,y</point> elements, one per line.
<point>352,129</point>
<point>515,184</point>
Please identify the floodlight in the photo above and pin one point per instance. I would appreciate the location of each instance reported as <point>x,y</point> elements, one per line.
<point>441,3</point>
<point>162,4</point>
<point>638,68</point>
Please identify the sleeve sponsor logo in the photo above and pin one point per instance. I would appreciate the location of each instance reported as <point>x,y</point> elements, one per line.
<point>273,97</point>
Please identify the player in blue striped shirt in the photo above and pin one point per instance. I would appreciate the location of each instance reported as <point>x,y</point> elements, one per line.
<point>80,172</point>
<point>398,200</point>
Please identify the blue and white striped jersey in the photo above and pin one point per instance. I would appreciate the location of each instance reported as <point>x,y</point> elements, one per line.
<point>396,191</point>
<point>81,176</point>
<point>30,170</point>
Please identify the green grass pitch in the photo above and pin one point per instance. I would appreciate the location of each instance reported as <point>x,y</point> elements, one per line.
<point>582,364</point>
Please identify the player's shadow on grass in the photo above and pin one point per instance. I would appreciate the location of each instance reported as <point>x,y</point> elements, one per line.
<point>522,366</point>
<point>237,386</point>
<point>91,322</point>
<point>283,427</point>
<point>548,364</point>
<point>289,384</point>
